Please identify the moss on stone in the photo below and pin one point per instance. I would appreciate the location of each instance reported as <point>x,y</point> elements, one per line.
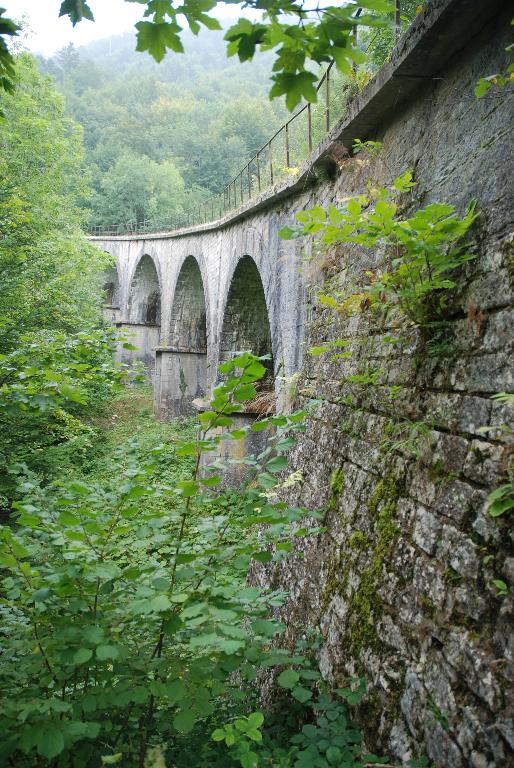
<point>358,540</point>
<point>428,606</point>
<point>336,487</point>
<point>333,584</point>
<point>366,605</point>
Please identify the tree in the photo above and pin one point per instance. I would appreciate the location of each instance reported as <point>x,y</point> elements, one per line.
<point>51,284</point>
<point>136,188</point>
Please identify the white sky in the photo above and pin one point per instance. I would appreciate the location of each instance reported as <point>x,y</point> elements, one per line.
<point>48,32</point>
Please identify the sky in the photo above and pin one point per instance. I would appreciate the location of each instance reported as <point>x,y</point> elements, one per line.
<point>48,33</point>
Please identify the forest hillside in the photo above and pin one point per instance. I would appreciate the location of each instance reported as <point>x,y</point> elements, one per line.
<point>161,138</point>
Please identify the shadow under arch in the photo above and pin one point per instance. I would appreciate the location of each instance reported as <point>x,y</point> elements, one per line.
<point>142,325</point>
<point>144,300</point>
<point>246,326</point>
<point>181,367</point>
<point>111,294</point>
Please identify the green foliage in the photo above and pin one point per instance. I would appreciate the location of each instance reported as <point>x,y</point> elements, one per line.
<point>126,619</point>
<point>76,10</point>
<point>182,128</point>
<point>411,438</point>
<point>420,252</point>
<point>56,365</point>
<point>501,500</point>
<point>51,277</point>
<point>379,42</point>
<point>241,735</point>
<point>47,386</point>
<point>135,189</point>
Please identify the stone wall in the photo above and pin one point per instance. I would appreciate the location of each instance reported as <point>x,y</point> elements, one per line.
<point>400,585</point>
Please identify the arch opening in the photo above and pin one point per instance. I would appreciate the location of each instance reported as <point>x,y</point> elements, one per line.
<point>144,305</point>
<point>246,325</point>
<point>181,368</point>
<point>246,328</point>
<point>188,328</point>
<point>111,288</point>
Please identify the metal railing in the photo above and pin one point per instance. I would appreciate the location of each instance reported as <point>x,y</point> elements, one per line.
<point>278,159</point>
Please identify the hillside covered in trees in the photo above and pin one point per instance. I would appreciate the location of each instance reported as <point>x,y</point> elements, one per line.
<point>162,137</point>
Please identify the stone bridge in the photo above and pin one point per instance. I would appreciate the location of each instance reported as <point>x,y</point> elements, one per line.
<point>401,585</point>
<point>190,300</point>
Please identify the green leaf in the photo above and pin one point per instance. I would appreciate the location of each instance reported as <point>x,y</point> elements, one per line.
<point>104,652</point>
<point>288,678</point>
<point>295,87</point>
<point>187,488</point>
<point>185,720</point>
<point>211,481</point>
<point>259,426</point>
<point>277,464</point>
<point>301,694</point>
<point>50,743</point>
<point>244,392</point>
<point>317,351</point>
<point>160,603</point>
<point>263,557</point>
<point>266,480</point>
<point>333,755</point>
<point>481,88</point>
<point>41,594</point>
<point>249,760</point>
<point>175,690</point>
<point>255,719</point>
<point>82,655</point>
<point>112,759</point>
<point>156,38</point>
<point>76,10</point>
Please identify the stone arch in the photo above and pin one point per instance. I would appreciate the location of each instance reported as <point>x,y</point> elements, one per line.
<point>188,325</point>
<point>112,288</point>
<point>181,367</point>
<point>142,324</point>
<point>144,302</point>
<point>246,325</point>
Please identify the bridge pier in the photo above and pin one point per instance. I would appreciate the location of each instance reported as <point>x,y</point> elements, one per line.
<point>232,452</point>
<point>180,376</point>
<point>111,313</point>
<point>144,336</point>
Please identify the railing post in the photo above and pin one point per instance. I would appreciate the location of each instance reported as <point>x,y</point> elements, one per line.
<point>397,17</point>
<point>258,172</point>
<point>288,164</point>
<point>249,181</point>
<point>270,163</point>
<point>235,194</point>
<point>327,100</point>
<point>309,126</point>
<point>241,186</point>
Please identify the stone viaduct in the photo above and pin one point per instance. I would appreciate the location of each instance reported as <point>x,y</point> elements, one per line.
<point>400,586</point>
